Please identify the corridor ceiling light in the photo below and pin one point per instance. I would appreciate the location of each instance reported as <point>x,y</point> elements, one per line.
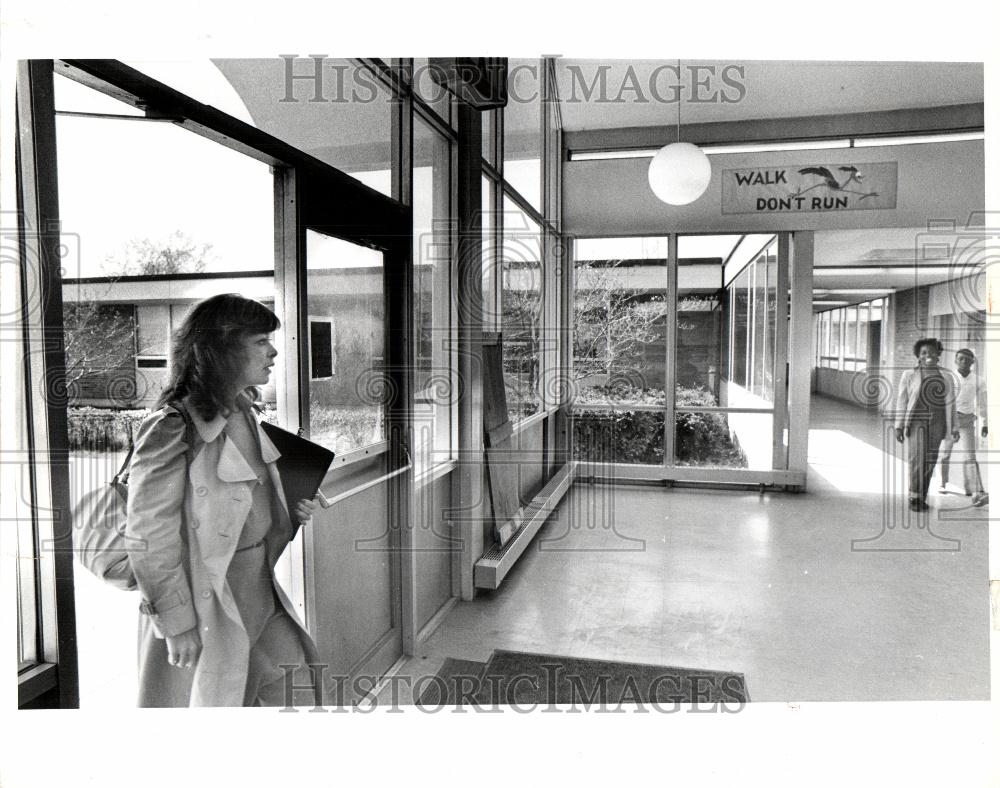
<point>871,270</point>
<point>855,290</point>
<point>771,147</point>
<point>916,139</point>
<point>830,303</point>
<point>595,155</point>
<point>679,172</point>
<point>777,147</point>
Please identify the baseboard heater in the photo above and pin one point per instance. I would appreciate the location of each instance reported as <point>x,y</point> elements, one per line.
<point>496,562</point>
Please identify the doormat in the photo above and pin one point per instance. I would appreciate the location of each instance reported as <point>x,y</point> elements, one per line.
<point>524,679</point>
<point>457,681</point>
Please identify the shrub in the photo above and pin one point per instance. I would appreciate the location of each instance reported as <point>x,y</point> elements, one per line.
<point>342,428</point>
<point>102,429</point>
<point>618,433</point>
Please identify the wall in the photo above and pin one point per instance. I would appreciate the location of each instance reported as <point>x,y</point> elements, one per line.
<point>910,321</point>
<point>432,541</point>
<point>612,197</point>
<point>848,386</point>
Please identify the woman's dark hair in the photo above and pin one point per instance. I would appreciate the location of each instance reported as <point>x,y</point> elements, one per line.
<point>208,350</point>
<point>931,342</point>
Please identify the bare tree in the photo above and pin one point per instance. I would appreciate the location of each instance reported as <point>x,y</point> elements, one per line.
<point>613,323</point>
<point>98,337</point>
<point>177,254</point>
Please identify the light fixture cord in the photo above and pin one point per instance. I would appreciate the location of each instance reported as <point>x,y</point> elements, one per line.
<point>678,99</point>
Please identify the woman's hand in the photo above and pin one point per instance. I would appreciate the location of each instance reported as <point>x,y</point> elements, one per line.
<point>304,510</point>
<point>183,649</point>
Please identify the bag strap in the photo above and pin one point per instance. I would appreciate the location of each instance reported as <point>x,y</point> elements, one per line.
<point>123,471</point>
<point>181,408</point>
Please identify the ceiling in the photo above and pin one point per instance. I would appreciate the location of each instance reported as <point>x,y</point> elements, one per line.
<point>638,92</point>
<point>881,258</point>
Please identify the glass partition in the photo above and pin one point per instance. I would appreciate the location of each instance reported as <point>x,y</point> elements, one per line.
<point>347,379</point>
<point>433,374</point>
<point>713,341</point>
<point>619,349</point>
<point>521,292</point>
<point>522,130</point>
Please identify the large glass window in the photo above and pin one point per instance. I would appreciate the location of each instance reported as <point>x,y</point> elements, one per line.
<point>147,236</point>
<point>521,310</point>
<point>843,335</point>
<point>723,352</point>
<point>432,320</point>
<point>522,130</point>
<point>619,351</point>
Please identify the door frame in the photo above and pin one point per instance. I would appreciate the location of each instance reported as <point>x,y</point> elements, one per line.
<point>308,193</point>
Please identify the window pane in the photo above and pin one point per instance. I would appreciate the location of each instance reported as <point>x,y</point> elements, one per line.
<point>771,324</point>
<point>759,345</point>
<point>489,118</point>
<point>699,332</point>
<point>727,440</point>
<point>522,130</point>
<point>428,83</point>
<point>432,326</point>
<point>851,330</point>
<point>152,330</point>
<point>521,308</point>
<point>320,349</point>
<point>491,313</point>
<point>619,316</point>
<point>345,286</point>
<point>863,332</point>
<point>739,304</point>
<point>348,127</point>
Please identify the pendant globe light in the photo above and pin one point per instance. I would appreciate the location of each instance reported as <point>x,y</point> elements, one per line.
<point>679,172</point>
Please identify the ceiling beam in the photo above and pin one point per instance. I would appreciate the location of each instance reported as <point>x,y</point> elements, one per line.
<point>954,118</point>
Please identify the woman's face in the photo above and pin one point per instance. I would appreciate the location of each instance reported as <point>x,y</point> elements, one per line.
<point>928,356</point>
<point>258,358</point>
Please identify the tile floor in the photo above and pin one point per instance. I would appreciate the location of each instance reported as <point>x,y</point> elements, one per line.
<point>833,594</point>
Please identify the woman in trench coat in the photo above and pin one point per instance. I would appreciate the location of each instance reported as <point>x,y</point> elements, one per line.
<point>207,523</point>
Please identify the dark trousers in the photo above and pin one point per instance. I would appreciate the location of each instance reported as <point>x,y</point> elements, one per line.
<point>924,444</point>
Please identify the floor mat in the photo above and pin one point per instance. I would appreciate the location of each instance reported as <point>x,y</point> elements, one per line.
<point>527,679</point>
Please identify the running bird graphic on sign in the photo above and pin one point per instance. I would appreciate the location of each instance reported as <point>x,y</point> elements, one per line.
<point>831,182</point>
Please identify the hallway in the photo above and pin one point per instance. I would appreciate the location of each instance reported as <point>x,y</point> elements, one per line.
<point>807,595</point>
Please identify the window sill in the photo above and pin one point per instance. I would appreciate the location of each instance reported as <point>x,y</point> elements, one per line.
<point>533,419</point>
<point>35,680</point>
<point>434,473</point>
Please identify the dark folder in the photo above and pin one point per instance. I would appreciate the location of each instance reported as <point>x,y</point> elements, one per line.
<point>302,464</point>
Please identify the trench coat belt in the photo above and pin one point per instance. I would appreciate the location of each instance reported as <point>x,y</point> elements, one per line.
<point>258,543</point>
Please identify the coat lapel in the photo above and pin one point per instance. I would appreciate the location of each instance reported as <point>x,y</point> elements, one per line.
<point>232,466</point>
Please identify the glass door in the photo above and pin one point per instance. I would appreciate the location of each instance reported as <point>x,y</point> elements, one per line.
<point>350,285</point>
<point>728,357</point>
